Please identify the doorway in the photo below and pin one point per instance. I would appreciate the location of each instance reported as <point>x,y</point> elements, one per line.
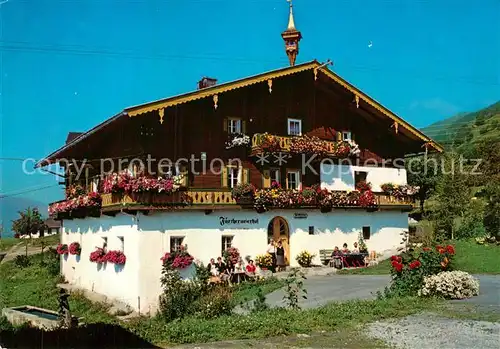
<point>278,230</point>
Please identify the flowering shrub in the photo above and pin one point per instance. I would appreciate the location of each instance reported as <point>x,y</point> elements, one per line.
<point>231,255</point>
<point>243,190</point>
<point>399,191</point>
<point>98,256</point>
<point>264,261</point>
<point>305,258</point>
<point>116,257</point>
<point>90,200</point>
<point>177,260</point>
<point>237,140</point>
<point>409,270</point>
<point>270,143</point>
<point>62,249</point>
<point>75,248</point>
<point>123,182</point>
<point>450,285</point>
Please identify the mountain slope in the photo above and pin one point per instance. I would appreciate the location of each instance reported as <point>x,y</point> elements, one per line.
<point>465,130</point>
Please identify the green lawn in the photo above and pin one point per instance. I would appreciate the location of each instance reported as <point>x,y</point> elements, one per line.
<point>247,291</point>
<point>477,259</point>
<point>7,243</point>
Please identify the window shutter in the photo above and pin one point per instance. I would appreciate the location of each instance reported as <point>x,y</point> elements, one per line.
<point>224,125</point>
<point>246,176</point>
<point>224,177</point>
<point>339,136</point>
<point>243,126</point>
<point>266,179</point>
<point>352,136</point>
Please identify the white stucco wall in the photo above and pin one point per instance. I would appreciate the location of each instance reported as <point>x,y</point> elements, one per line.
<point>341,177</point>
<point>147,238</point>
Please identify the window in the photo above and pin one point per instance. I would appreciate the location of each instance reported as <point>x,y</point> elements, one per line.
<point>293,180</point>
<point>359,176</point>
<point>176,243</point>
<point>104,243</point>
<point>121,241</point>
<point>294,127</point>
<point>346,135</point>
<point>366,233</point>
<point>275,175</point>
<point>234,125</point>
<point>227,242</point>
<point>233,177</point>
<point>311,230</point>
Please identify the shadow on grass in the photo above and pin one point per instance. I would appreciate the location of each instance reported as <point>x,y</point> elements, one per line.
<point>97,335</point>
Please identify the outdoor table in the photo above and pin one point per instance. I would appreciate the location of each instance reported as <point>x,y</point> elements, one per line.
<point>354,259</point>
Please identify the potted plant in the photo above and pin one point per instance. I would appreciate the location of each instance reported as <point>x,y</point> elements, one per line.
<point>264,261</point>
<point>243,193</point>
<point>75,248</point>
<point>305,258</point>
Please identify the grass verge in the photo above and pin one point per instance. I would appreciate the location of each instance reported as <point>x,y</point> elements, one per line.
<point>247,291</point>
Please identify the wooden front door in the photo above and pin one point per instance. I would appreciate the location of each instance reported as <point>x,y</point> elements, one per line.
<point>280,231</point>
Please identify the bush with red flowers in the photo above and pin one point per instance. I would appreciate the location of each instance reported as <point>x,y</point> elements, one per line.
<point>231,255</point>
<point>62,249</point>
<point>177,260</point>
<point>115,257</point>
<point>75,248</point>
<point>409,269</point>
<point>98,256</point>
<point>89,201</point>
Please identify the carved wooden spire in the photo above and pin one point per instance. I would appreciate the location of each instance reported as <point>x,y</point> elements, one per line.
<point>291,36</point>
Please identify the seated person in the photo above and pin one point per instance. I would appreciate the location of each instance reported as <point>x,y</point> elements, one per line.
<point>345,249</point>
<point>251,268</point>
<point>355,249</point>
<point>212,267</point>
<point>336,260</point>
<point>222,270</point>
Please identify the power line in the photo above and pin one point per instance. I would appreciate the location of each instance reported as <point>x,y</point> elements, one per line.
<point>27,191</point>
<point>24,46</point>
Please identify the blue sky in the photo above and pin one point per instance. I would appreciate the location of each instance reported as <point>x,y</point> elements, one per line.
<point>67,65</point>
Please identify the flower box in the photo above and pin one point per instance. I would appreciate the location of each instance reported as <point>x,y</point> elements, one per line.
<point>246,200</point>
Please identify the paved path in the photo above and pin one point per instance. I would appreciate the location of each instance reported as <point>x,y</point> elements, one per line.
<point>324,289</point>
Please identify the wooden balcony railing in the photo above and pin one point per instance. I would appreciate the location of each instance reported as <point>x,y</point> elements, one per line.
<point>181,198</point>
<point>210,198</point>
<point>258,140</point>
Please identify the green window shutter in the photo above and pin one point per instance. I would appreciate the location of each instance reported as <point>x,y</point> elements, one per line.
<point>243,127</point>
<point>224,125</point>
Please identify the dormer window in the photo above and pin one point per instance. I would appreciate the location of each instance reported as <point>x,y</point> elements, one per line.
<point>234,125</point>
<point>294,127</point>
<point>346,135</point>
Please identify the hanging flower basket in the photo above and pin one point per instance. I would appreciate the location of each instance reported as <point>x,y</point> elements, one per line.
<point>115,257</point>
<point>75,248</point>
<point>62,249</point>
<point>98,256</point>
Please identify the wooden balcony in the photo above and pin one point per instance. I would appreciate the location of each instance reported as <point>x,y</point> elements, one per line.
<point>209,199</point>
<point>178,199</point>
<point>259,139</point>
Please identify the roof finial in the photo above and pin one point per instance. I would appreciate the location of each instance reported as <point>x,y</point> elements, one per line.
<point>291,22</point>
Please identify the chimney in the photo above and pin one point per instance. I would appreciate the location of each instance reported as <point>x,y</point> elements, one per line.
<point>206,82</point>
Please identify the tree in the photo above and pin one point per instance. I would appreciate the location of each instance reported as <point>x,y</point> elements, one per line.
<point>453,195</point>
<point>423,172</point>
<point>29,222</point>
<point>491,218</point>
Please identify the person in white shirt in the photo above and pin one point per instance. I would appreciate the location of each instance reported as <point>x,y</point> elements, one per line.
<point>271,249</point>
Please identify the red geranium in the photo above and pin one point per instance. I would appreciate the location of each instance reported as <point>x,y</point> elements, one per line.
<point>415,264</point>
<point>426,249</point>
<point>62,249</point>
<point>178,259</point>
<point>116,257</point>
<point>396,259</point>
<point>75,248</point>
<point>98,256</point>
<point>440,249</point>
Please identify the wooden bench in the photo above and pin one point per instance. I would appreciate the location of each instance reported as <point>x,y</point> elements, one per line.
<point>325,256</point>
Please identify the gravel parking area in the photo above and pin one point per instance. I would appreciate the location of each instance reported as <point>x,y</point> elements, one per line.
<point>426,331</point>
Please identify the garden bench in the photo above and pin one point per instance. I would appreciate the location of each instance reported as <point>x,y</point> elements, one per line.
<point>348,260</point>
